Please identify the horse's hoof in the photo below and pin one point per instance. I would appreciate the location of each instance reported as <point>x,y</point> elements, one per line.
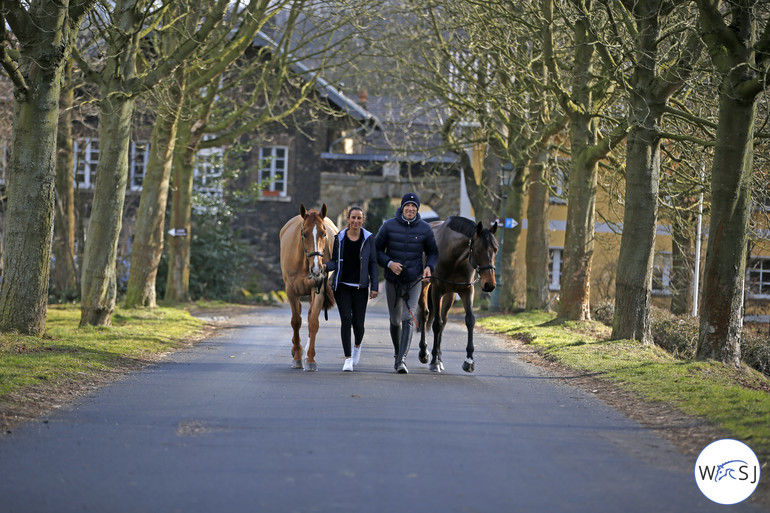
<point>468,365</point>
<point>296,364</point>
<point>436,367</point>
<point>311,367</point>
<point>423,357</point>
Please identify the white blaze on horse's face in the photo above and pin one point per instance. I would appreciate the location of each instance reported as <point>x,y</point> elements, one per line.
<point>316,259</point>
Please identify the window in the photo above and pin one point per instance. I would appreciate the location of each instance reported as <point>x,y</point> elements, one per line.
<point>661,274</point>
<point>273,165</point>
<point>137,164</point>
<point>559,181</point>
<point>759,278</point>
<point>209,165</point>
<point>554,268</point>
<point>86,159</point>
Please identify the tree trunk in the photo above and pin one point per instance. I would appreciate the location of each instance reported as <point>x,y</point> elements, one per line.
<point>514,208</point>
<point>537,235</point>
<point>178,281</point>
<point>30,212</point>
<point>581,198</point>
<point>99,287</point>
<point>721,317</point>
<point>150,223</point>
<point>633,289</point>
<point>743,67</point>
<point>682,263</point>
<point>65,278</point>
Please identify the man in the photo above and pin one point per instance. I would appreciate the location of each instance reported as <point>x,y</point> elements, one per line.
<point>400,245</point>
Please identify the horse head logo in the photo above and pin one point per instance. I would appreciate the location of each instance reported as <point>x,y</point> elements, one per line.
<point>727,469</point>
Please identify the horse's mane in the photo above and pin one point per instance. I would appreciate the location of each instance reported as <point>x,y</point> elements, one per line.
<point>461,225</point>
<point>468,228</point>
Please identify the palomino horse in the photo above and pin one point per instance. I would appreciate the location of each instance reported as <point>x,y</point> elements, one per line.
<point>306,243</point>
<point>464,249</point>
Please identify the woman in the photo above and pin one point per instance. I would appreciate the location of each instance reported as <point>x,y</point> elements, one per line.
<point>355,281</point>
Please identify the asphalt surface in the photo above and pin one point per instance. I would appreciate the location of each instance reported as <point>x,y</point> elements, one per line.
<point>228,426</point>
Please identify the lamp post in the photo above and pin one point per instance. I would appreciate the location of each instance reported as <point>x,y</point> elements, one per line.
<point>506,175</point>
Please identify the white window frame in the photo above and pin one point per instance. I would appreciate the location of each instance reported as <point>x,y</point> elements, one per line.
<point>559,181</point>
<point>763,274</point>
<point>86,151</point>
<point>270,164</point>
<point>139,154</point>
<point>661,273</point>
<point>555,260</point>
<point>208,170</point>
<point>87,156</point>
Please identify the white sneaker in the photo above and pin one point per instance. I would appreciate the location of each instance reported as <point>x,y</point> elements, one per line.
<point>356,355</point>
<point>348,367</point>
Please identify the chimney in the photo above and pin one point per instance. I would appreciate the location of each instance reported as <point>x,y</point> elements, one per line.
<point>362,96</point>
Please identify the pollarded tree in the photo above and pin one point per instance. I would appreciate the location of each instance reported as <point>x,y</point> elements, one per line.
<point>65,276</point>
<point>588,96</point>
<point>483,62</point>
<point>659,68</point>
<point>226,45</point>
<point>227,99</point>
<point>34,57</point>
<point>737,35</point>
<point>122,76</point>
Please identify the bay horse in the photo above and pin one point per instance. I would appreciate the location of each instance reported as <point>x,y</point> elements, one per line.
<point>465,249</point>
<point>306,243</point>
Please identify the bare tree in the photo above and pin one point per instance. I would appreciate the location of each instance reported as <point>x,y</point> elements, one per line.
<point>590,89</point>
<point>226,46</point>
<point>651,83</point>
<point>270,83</point>
<point>120,82</point>
<point>737,35</point>
<point>34,57</point>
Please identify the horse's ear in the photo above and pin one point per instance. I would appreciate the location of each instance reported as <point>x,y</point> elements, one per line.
<point>479,228</point>
<point>302,210</point>
<point>494,227</point>
<point>323,210</point>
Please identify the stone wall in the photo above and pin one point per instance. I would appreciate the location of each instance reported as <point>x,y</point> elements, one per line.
<point>340,190</point>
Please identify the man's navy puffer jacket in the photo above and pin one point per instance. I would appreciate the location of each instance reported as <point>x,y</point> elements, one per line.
<point>405,242</point>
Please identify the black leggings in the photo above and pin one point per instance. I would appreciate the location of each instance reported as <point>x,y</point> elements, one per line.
<point>351,304</point>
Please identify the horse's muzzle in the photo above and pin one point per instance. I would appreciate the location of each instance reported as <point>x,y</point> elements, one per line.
<point>488,287</point>
<point>318,278</point>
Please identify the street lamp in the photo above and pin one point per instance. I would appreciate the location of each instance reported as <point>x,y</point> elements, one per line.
<point>506,176</point>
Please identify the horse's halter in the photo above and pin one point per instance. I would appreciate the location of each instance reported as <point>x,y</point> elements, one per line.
<point>478,268</point>
<point>315,259</point>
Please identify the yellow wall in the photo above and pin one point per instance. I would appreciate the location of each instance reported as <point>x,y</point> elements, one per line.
<point>607,248</point>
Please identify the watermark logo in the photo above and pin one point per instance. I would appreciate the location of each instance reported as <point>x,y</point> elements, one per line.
<point>727,471</point>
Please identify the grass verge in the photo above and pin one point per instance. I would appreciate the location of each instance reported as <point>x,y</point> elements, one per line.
<point>735,400</point>
<point>36,372</point>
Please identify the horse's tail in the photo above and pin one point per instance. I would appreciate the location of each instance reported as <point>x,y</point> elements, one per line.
<point>328,298</point>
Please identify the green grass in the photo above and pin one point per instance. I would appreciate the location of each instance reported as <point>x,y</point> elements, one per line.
<point>67,353</point>
<point>733,399</point>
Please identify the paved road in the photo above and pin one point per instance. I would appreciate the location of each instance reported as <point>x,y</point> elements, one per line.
<point>228,426</point>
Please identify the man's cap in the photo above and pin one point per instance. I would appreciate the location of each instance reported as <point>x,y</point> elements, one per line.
<point>410,197</point>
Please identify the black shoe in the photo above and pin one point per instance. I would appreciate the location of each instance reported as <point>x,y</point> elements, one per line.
<point>402,368</point>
